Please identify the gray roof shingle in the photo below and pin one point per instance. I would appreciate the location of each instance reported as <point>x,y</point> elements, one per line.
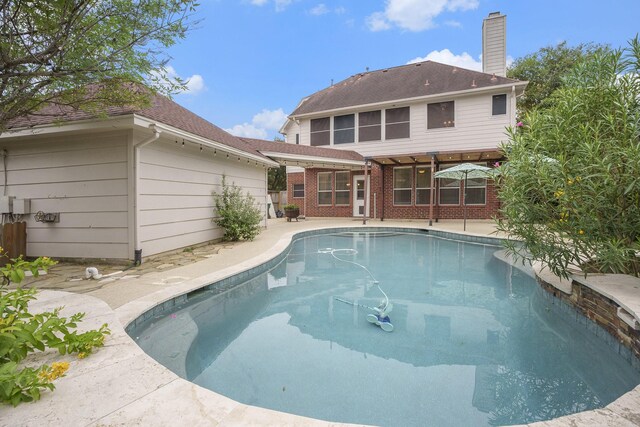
<point>162,109</point>
<point>398,83</point>
<point>302,150</point>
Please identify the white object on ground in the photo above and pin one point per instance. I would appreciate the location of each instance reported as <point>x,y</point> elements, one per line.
<point>92,273</point>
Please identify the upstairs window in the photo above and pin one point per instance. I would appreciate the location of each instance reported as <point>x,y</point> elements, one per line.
<point>397,123</point>
<point>344,129</point>
<point>440,115</point>
<point>320,131</point>
<point>499,105</point>
<point>297,138</point>
<point>370,126</point>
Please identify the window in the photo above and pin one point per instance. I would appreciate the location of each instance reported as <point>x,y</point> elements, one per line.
<point>344,129</point>
<point>369,126</point>
<point>397,123</point>
<point>342,188</point>
<point>423,185</point>
<point>499,105</point>
<point>402,185</point>
<point>476,192</point>
<point>449,190</point>
<point>440,115</point>
<point>320,131</point>
<point>324,188</point>
<point>298,190</point>
<point>297,138</point>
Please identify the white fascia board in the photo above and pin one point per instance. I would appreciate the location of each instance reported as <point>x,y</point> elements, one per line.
<point>312,159</point>
<point>179,133</point>
<point>109,123</point>
<point>406,101</point>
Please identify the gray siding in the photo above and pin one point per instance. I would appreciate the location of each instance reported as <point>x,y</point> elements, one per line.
<point>84,178</point>
<point>175,193</point>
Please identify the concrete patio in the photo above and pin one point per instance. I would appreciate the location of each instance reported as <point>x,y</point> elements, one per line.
<point>121,385</point>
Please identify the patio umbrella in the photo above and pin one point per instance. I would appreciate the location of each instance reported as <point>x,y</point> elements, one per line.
<point>463,172</point>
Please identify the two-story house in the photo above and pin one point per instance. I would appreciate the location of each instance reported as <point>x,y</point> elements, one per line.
<point>407,122</point>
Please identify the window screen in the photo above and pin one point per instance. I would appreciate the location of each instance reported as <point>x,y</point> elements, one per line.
<point>402,186</point>
<point>369,126</point>
<point>320,131</point>
<point>499,105</point>
<point>440,115</point>
<point>344,129</point>
<point>397,123</point>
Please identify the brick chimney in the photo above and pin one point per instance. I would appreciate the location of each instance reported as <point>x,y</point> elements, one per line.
<point>494,44</point>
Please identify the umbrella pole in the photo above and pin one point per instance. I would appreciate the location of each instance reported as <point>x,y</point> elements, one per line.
<point>464,202</point>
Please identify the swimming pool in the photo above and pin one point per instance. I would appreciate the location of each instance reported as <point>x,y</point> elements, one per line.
<point>474,341</point>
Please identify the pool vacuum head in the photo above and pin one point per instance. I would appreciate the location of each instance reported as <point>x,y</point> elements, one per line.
<point>383,322</point>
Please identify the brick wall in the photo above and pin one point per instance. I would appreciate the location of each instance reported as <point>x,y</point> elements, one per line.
<point>381,179</point>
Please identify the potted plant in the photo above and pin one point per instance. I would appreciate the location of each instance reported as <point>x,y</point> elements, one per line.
<point>291,211</point>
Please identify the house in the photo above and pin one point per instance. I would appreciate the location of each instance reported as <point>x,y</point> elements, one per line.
<point>406,122</point>
<point>135,184</point>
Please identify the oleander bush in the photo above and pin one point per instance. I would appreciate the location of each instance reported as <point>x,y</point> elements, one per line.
<point>23,332</point>
<point>570,190</point>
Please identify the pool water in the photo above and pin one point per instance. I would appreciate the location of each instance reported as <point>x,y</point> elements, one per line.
<point>474,341</point>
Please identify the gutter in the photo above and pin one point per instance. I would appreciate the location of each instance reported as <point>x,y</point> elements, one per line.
<point>407,101</point>
<point>136,196</point>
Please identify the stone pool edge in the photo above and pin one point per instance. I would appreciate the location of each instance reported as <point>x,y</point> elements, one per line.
<point>622,412</point>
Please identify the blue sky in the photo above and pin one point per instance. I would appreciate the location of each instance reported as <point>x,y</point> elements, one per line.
<point>249,62</point>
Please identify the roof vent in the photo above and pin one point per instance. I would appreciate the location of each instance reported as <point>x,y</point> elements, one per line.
<point>418,64</point>
<point>427,83</point>
<point>384,71</point>
<point>473,83</point>
<point>455,70</point>
<point>494,78</point>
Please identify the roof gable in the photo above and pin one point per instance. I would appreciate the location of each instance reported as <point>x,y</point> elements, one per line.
<point>398,83</point>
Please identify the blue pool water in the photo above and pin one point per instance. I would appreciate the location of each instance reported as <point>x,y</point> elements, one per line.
<point>474,340</point>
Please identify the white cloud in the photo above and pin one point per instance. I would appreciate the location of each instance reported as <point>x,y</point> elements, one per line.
<point>282,4</point>
<point>415,15</point>
<point>261,124</point>
<point>194,84</point>
<point>445,56</point>
<point>454,24</point>
<point>248,131</point>
<point>340,10</point>
<point>279,4</point>
<point>320,9</point>
<point>377,22</point>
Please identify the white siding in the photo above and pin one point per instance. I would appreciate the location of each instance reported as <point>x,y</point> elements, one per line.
<point>84,178</point>
<point>176,187</point>
<point>494,45</point>
<point>475,129</point>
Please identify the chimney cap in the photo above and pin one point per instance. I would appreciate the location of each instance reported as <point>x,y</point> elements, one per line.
<point>494,14</point>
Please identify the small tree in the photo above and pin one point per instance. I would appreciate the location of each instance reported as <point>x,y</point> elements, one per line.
<point>237,214</point>
<point>570,189</point>
<point>22,333</point>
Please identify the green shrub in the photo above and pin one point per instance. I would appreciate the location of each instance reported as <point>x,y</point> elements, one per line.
<point>570,189</point>
<point>22,333</point>
<point>237,214</point>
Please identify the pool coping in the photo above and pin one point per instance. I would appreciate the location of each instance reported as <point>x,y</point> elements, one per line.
<point>121,385</point>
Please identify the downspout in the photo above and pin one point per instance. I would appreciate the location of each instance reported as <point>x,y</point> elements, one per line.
<point>136,196</point>
<point>366,192</point>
